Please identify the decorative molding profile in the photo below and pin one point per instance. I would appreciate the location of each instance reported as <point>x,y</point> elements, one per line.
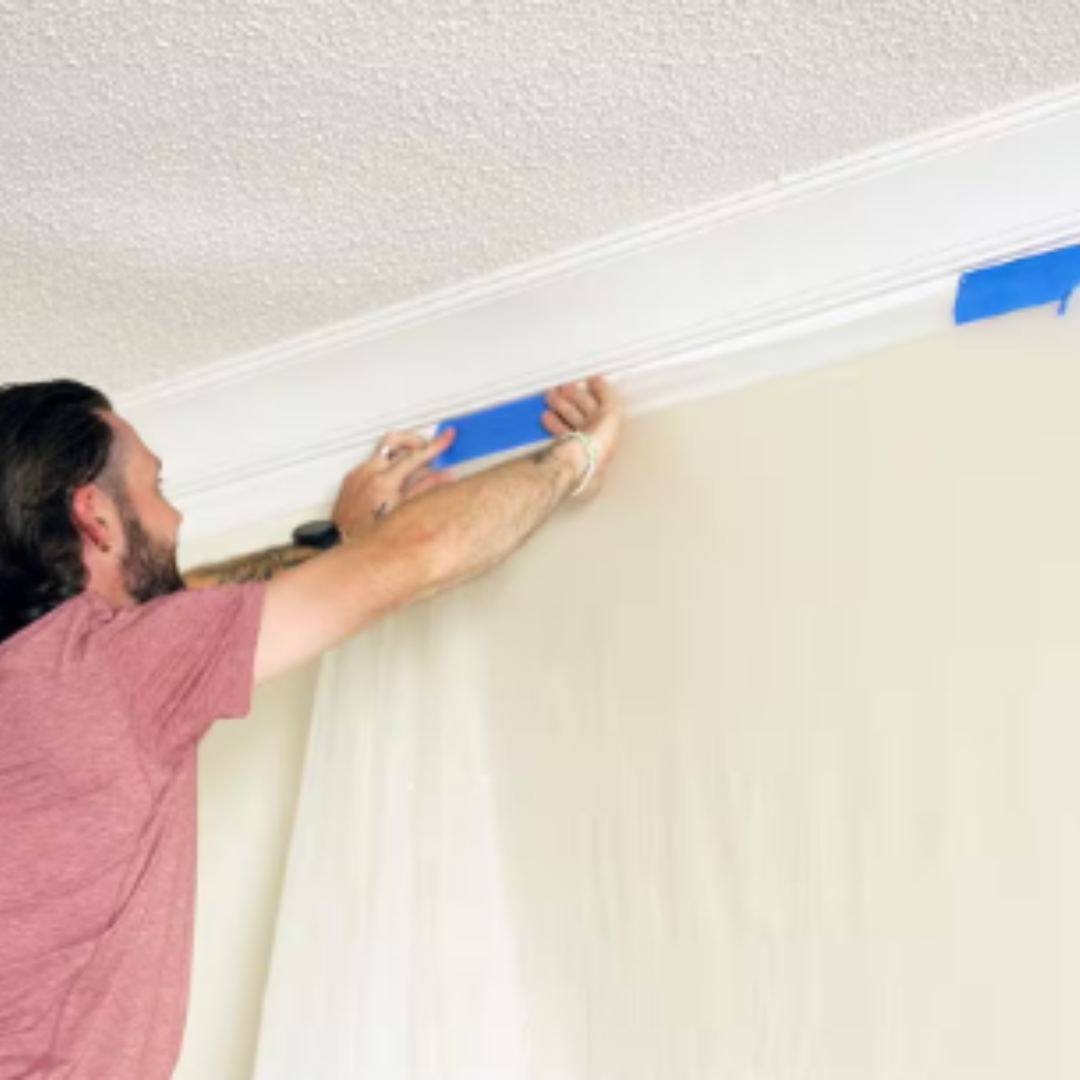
<point>840,261</point>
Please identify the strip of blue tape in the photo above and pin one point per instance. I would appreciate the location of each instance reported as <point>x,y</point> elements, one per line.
<point>494,430</point>
<point>1049,278</point>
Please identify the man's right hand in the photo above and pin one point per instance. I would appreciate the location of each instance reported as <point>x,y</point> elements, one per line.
<point>593,408</point>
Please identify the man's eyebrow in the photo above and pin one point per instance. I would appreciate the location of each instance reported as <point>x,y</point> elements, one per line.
<point>160,464</point>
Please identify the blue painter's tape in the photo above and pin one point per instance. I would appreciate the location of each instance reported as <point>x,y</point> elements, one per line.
<point>1030,282</point>
<point>492,431</point>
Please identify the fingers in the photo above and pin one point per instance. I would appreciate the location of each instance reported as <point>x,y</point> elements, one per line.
<point>422,478</point>
<point>554,424</point>
<point>605,394</point>
<point>575,404</point>
<point>406,464</point>
<point>570,404</point>
<point>398,442</point>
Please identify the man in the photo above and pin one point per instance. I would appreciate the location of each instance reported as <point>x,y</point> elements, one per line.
<point>112,668</point>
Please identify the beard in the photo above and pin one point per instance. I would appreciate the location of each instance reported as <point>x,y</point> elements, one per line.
<point>149,568</point>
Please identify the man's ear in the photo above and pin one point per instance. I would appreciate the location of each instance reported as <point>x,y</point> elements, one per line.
<point>91,514</point>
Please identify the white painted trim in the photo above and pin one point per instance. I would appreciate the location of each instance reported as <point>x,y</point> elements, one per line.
<point>842,260</point>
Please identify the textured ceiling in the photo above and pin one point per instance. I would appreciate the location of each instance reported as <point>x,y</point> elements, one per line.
<point>185,180</point>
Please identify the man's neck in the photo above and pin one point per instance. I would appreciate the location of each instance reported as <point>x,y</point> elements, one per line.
<point>115,595</point>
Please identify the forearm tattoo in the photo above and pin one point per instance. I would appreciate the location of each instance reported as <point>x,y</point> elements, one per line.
<point>259,566</point>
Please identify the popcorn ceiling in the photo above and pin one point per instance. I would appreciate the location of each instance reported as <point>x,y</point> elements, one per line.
<point>183,181</point>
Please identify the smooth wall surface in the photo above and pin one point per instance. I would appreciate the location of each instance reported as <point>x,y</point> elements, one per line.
<point>878,573</point>
<point>786,732</point>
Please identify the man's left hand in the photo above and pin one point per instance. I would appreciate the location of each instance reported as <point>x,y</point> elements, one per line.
<point>399,470</point>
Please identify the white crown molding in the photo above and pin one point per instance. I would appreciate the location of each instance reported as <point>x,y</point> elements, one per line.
<point>845,259</point>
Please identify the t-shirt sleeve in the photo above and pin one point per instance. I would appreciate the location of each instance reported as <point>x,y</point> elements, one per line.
<point>183,661</point>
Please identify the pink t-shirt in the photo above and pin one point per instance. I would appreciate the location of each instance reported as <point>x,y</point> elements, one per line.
<point>100,714</point>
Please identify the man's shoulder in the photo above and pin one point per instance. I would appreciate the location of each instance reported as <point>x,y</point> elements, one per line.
<point>70,630</point>
<point>80,609</point>
<point>49,684</point>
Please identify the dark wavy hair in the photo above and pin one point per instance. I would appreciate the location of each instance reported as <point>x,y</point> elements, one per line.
<point>53,440</point>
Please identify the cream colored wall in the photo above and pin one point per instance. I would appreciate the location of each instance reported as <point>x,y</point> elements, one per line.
<point>249,776</point>
<point>914,508</point>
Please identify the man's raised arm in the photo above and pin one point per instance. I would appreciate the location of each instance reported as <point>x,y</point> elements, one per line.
<point>368,493</point>
<point>258,566</point>
<point>450,534</point>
